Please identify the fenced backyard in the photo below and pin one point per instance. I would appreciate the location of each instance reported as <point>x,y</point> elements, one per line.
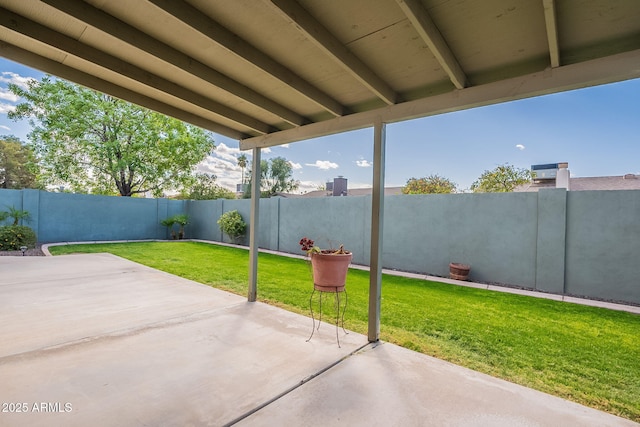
<point>581,243</point>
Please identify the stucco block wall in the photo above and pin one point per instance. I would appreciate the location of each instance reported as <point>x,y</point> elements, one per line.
<point>603,244</point>
<point>80,217</point>
<point>582,243</point>
<point>329,221</point>
<point>494,233</point>
<point>203,215</point>
<point>551,240</point>
<point>10,198</point>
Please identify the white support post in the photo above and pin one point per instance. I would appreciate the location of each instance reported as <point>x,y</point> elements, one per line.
<point>253,226</point>
<point>377,214</point>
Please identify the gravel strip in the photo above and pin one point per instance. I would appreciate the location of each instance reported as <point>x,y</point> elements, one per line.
<point>37,251</point>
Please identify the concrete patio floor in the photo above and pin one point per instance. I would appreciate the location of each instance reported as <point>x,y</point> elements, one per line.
<point>98,340</point>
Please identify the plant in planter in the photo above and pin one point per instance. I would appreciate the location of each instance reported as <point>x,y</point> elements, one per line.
<point>169,223</point>
<point>329,266</point>
<point>181,220</point>
<point>232,224</point>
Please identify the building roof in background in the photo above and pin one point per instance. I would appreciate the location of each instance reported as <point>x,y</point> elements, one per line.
<point>388,191</point>
<point>624,182</point>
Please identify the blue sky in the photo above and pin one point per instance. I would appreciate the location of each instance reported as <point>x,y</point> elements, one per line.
<point>596,130</point>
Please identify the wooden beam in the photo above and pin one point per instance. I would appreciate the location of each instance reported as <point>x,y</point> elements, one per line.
<point>55,68</point>
<point>428,31</point>
<point>136,38</point>
<point>236,45</point>
<point>377,226</point>
<point>42,34</point>
<point>327,42</point>
<point>614,68</point>
<point>551,23</point>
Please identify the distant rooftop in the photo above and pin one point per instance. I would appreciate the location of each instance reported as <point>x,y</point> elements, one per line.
<point>388,191</point>
<point>623,182</point>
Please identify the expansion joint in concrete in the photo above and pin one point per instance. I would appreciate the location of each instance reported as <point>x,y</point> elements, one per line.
<point>298,385</point>
<point>121,333</point>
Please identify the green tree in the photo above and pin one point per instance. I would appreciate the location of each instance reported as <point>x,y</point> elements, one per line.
<point>93,142</point>
<point>206,188</point>
<point>502,179</point>
<point>276,176</point>
<point>18,165</point>
<point>432,184</point>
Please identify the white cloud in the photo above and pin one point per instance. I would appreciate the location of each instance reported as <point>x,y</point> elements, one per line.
<point>16,79</point>
<point>225,152</point>
<point>7,95</point>
<point>223,163</point>
<point>227,172</point>
<point>363,163</point>
<point>216,165</point>
<point>323,164</point>
<point>520,147</point>
<point>5,127</point>
<point>5,108</point>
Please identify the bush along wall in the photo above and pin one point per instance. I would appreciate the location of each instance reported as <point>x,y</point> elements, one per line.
<point>232,224</point>
<point>12,237</point>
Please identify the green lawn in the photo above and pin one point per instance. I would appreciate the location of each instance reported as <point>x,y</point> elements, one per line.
<point>585,354</point>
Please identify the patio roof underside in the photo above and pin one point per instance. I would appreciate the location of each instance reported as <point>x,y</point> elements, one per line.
<point>269,72</point>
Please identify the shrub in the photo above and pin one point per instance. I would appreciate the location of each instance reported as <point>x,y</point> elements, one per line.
<point>14,236</point>
<point>233,225</point>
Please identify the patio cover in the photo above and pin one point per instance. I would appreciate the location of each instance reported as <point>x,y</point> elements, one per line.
<point>270,72</point>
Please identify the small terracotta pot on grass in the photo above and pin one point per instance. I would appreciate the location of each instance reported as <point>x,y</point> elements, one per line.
<point>459,271</point>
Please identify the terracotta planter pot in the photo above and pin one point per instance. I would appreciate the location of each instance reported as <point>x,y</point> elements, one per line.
<point>459,271</point>
<point>330,271</point>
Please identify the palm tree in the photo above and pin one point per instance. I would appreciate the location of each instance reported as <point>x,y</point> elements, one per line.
<point>169,222</point>
<point>242,162</point>
<point>181,220</point>
<point>18,215</point>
